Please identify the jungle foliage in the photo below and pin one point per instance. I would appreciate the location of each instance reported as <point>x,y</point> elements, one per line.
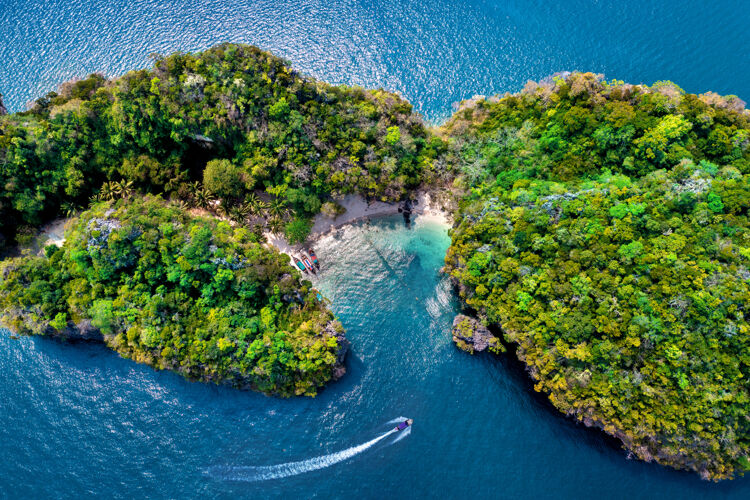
<point>278,135</point>
<point>178,292</point>
<point>602,228</point>
<point>605,232</point>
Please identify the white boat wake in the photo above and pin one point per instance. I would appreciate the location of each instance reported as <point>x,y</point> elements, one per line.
<point>266,472</point>
<point>401,436</point>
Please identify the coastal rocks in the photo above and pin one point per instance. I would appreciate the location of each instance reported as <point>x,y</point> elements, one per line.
<point>405,209</point>
<point>83,330</point>
<point>3,111</point>
<point>472,336</point>
<point>339,369</point>
<point>28,321</point>
<point>335,329</point>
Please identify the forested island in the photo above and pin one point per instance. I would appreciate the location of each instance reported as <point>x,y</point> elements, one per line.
<point>601,233</point>
<point>604,232</point>
<point>232,133</point>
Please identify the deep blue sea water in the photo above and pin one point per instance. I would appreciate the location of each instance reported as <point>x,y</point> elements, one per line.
<point>79,421</point>
<point>434,52</point>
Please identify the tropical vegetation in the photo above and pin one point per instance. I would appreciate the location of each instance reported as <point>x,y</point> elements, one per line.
<point>601,232</point>
<point>224,130</point>
<point>605,234</point>
<point>179,292</point>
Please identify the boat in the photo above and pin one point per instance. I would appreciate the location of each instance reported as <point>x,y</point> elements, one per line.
<point>308,264</point>
<point>313,257</point>
<point>299,264</point>
<point>403,425</point>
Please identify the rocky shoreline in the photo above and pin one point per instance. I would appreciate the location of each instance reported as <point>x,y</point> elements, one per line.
<point>84,331</point>
<point>472,336</point>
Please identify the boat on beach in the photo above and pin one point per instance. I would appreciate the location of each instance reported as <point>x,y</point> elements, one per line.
<point>299,264</point>
<point>313,257</point>
<point>308,264</point>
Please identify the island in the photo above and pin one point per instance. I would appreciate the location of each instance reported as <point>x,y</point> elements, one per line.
<point>604,234</point>
<point>601,233</point>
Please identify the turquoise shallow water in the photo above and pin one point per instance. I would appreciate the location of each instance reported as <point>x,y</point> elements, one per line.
<point>78,421</point>
<point>435,53</point>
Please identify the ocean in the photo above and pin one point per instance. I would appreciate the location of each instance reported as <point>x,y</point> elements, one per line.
<point>78,421</point>
<point>434,53</point>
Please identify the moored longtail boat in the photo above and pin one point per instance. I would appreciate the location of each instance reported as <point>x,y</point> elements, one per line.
<point>299,264</point>
<point>313,257</point>
<point>308,264</point>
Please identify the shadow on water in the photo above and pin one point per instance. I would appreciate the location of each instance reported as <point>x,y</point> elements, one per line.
<point>511,374</point>
<point>355,369</point>
<point>506,371</point>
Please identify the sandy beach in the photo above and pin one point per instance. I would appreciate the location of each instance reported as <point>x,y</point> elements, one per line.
<point>358,208</point>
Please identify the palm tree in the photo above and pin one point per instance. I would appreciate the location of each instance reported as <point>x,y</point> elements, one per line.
<point>257,206</point>
<point>247,210</point>
<point>202,198</point>
<point>223,209</point>
<point>275,224</point>
<point>181,204</point>
<point>108,191</point>
<point>123,189</point>
<point>70,209</point>
<point>278,208</point>
<point>252,200</point>
<point>239,213</point>
<point>262,207</point>
<point>193,188</point>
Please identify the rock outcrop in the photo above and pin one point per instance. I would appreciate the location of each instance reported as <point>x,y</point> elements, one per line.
<point>83,330</point>
<point>472,336</point>
<point>334,328</point>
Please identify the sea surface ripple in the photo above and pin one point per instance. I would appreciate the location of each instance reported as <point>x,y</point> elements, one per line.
<point>434,53</point>
<point>77,421</point>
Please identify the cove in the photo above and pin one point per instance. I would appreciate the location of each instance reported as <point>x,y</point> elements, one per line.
<point>80,421</point>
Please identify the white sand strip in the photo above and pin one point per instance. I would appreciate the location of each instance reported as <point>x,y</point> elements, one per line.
<point>357,208</point>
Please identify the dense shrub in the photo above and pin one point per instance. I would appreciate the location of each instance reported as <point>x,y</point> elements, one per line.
<point>178,292</point>
<point>270,128</point>
<point>605,233</point>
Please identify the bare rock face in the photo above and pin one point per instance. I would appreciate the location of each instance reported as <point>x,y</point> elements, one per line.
<point>340,369</point>
<point>472,336</point>
<point>83,330</point>
<point>3,111</point>
<point>334,328</point>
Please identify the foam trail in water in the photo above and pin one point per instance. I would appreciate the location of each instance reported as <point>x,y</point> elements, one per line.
<point>396,420</point>
<point>263,473</point>
<point>401,436</point>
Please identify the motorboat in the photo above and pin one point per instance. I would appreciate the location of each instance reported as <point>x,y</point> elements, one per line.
<point>403,425</point>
